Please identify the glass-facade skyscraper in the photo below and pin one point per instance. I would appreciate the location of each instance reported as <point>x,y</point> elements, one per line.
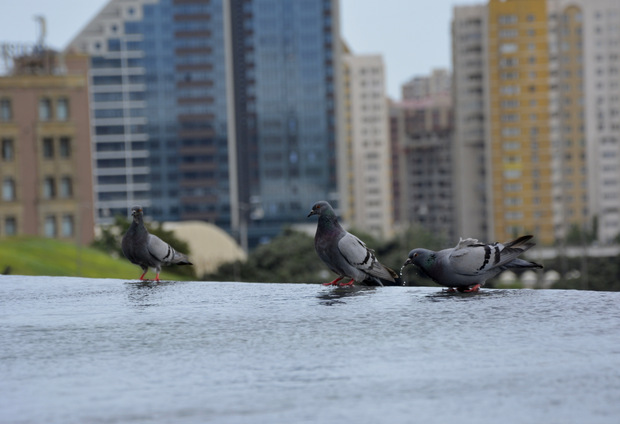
<point>220,110</point>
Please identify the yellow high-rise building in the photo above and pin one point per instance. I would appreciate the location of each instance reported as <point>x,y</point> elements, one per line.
<point>519,147</point>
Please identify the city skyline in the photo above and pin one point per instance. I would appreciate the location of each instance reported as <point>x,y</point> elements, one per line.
<point>400,25</point>
<point>535,142</point>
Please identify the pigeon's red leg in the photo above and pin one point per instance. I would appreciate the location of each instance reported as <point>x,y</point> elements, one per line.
<point>450,290</point>
<point>157,277</point>
<point>143,274</point>
<point>350,283</point>
<point>333,283</point>
<point>472,289</point>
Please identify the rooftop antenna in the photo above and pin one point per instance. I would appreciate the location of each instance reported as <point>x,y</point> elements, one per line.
<point>42,30</point>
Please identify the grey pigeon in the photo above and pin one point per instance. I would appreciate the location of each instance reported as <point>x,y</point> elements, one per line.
<point>467,266</point>
<point>147,250</point>
<point>345,254</point>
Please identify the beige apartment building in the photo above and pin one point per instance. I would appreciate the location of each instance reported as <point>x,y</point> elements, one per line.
<point>364,151</point>
<point>45,152</point>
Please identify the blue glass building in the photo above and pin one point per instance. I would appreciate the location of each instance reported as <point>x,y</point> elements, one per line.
<point>214,110</point>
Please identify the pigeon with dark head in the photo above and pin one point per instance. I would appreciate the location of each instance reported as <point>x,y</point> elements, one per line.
<point>147,250</point>
<point>470,264</point>
<point>345,254</point>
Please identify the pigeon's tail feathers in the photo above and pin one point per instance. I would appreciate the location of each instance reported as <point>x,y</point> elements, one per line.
<point>395,281</point>
<point>521,241</point>
<point>383,276</point>
<point>517,247</point>
<point>519,263</point>
<point>180,259</point>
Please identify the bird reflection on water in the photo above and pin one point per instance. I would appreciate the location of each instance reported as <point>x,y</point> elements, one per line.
<point>444,294</point>
<point>338,295</point>
<point>141,293</point>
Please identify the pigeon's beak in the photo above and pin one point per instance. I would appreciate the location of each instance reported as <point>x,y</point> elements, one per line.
<point>407,262</point>
<point>312,212</point>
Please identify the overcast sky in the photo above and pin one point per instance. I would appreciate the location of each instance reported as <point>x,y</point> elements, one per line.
<point>413,36</point>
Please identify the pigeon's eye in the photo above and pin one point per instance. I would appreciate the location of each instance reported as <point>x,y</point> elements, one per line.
<point>415,255</point>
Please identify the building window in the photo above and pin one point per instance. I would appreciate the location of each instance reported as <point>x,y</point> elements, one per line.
<point>10,226</point>
<point>67,226</point>
<point>512,174</point>
<point>8,189</point>
<point>7,149</point>
<point>511,131</point>
<point>48,148</point>
<point>49,188</point>
<point>508,48</point>
<point>65,147</point>
<point>62,109</point>
<point>510,216</point>
<point>50,226</point>
<point>45,109</point>
<point>508,62</point>
<point>509,89</point>
<point>66,187</point>
<point>508,33</point>
<point>6,114</point>
<point>508,19</point>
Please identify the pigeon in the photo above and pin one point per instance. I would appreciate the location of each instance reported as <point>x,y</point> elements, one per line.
<point>147,250</point>
<point>345,254</point>
<point>467,266</point>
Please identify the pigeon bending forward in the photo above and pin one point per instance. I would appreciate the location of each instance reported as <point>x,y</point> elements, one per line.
<point>467,266</point>
<point>345,254</point>
<point>147,250</point>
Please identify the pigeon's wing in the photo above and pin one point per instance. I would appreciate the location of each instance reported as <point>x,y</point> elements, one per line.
<point>470,257</point>
<point>355,252</point>
<point>159,249</point>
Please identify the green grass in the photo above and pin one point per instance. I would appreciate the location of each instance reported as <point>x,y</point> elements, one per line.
<point>43,256</point>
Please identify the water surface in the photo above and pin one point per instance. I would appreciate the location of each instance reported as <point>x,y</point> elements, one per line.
<point>105,351</point>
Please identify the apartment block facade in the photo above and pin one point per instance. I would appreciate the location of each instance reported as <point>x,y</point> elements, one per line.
<point>469,29</point>
<point>597,46</point>
<point>366,162</point>
<point>45,156</point>
<point>422,138</point>
<point>518,122</point>
<point>425,86</point>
